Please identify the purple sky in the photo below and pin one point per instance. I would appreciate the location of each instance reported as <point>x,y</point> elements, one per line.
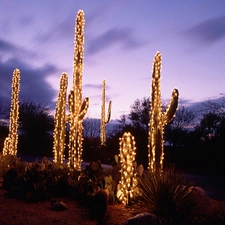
<point>121,39</point>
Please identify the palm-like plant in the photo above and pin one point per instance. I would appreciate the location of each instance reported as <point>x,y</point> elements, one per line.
<point>168,196</point>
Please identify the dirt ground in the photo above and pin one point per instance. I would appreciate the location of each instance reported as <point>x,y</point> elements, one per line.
<point>18,212</point>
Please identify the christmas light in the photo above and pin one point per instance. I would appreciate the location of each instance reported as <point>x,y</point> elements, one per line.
<point>60,121</point>
<point>158,119</point>
<point>10,143</point>
<point>77,109</point>
<point>104,120</point>
<point>127,159</point>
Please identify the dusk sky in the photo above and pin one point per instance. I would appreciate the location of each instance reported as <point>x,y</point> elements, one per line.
<point>121,40</point>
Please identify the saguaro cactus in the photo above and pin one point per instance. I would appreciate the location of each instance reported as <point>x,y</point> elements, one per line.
<point>104,119</point>
<point>77,109</point>
<point>127,158</point>
<point>158,118</point>
<point>60,121</point>
<point>10,144</point>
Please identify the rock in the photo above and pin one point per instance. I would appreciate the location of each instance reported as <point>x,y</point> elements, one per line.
<point>58,206</point>
<point>142,218</point>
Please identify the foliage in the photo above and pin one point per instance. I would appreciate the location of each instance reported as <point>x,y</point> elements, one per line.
<point>7,162</point>
<point>36,126</point>
<point>168,196</point>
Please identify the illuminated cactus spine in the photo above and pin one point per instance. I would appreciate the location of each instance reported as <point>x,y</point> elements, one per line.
<point>158,118</point>
<point>10,143</point>
<point>77,109</point>
<point>104,120</point>
<point>127,158</point>
<point>60,121</point>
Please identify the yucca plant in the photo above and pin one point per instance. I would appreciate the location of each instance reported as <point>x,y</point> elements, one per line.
<point>168,196</point>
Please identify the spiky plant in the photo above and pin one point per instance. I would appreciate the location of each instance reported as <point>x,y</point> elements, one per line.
<point>10,144</point>
<point>104,119</point>
<point>168,196</point>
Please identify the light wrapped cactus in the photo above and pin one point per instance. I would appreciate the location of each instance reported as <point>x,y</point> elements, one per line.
<point>77,108</point>
<point>104,120</point>
<point>60,121</point>
<point>128,177</point>
<point>10,143</point>
<point>158,119</point>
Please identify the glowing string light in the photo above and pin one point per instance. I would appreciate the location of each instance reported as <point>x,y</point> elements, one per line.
<point>158,119</point>
<point>10,144</point>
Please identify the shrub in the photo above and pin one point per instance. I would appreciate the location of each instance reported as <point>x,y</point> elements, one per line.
<point>168,196</point>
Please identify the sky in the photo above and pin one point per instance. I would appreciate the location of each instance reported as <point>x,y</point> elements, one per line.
<point>121,40</point>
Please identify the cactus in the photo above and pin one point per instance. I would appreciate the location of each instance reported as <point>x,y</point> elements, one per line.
<point>158,119</point>
<point>60,121</point>
<point>128,177</point>
<point>77,108</point>
<point>10,143</point>
<point>104,120</point>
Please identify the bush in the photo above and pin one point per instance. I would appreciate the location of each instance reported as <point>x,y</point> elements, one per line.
<point>168,196</point>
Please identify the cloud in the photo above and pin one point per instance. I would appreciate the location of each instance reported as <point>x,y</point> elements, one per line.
<point>58,31</point>
<point>33,84</point>
<point>8,50</point>
<point>209,31</point>
<point>114,36</point>
<point>93,86</point>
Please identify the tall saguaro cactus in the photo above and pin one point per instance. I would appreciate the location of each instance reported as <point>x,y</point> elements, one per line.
<point>77,108</point>
<point>10,143</point>
<point>127,158</point>
<point>60,121</point>
<point>104,119</point>
<point>159,119</point>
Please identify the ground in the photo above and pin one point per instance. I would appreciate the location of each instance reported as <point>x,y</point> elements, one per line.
<point>18,212</point>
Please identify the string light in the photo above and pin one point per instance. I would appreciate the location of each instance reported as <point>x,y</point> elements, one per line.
<point>127,159</point>
<point>60,121</point>
<point>10,143</point>
<point>158,119</point>
<point>104,120</point>
<point>77,109</point>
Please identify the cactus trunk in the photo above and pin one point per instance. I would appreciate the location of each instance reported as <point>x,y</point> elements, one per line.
<point>77,108</point>
<point>10,144</point>
<point>104,120</point>
<point>60,121</point>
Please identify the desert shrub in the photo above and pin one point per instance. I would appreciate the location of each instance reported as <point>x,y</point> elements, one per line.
<point>168,196</point>
<point>6,162</point>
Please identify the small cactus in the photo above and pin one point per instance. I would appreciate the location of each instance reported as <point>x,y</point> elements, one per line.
<point>159,119</point>
<point>104,119</point>
<point>10,144</point>
<point>127,159</point>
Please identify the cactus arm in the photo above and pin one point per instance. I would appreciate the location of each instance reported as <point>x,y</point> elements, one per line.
<point>169,114</point>
<point>84,108</point>
<point>109,112</point>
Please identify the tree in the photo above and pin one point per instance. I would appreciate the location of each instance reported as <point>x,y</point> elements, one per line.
<point>177,130</point>
<point>139,115</point>
<point>91,132</point>
<point>36,127</point>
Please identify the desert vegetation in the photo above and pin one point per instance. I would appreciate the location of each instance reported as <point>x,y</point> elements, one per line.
<point>145,154</point>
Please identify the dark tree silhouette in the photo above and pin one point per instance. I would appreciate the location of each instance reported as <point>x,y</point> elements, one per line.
<point>36,128</point>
